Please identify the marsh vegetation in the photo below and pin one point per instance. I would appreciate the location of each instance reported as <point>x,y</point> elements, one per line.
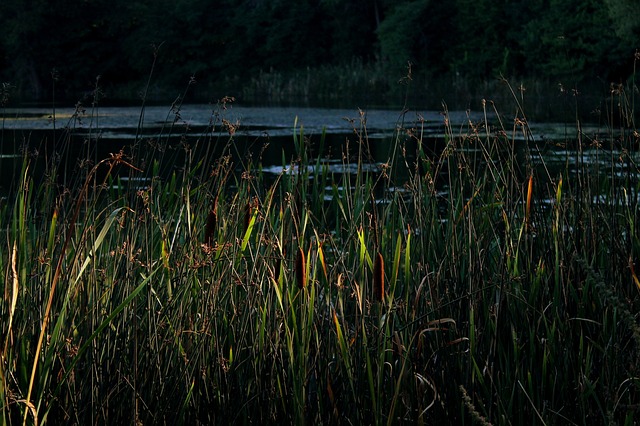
<point>177,283</point>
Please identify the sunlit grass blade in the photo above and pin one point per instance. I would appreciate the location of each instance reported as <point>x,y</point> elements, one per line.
<point>362,250</point>
<point>15,288</point>
<point>98,241</point>
<point>251,216</point>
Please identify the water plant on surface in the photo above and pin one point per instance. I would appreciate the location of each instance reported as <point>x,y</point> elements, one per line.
<point>484,288</point>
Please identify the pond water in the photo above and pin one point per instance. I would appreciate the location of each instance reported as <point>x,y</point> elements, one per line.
<point>269,132</point>
<point>122,122</point>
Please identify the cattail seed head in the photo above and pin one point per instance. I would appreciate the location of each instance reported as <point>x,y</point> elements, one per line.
<point>211,225</point>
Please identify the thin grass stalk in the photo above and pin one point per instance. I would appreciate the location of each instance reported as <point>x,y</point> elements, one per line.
<point>70,233</point>
<point>528,208</point>
<point>15,288</point>
<point>146,91</point>
<point>106,322</point>
<point>301,268</point>
<point>231,314</point>
<point>378,278</point>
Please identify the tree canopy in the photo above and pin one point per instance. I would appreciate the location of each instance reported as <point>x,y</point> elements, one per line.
<point>72,42</point>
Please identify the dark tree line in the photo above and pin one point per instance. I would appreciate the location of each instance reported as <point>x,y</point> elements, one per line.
<point>68,43</point>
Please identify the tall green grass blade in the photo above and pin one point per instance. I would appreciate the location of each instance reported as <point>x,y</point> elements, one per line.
<point>105,323</point>
<point>247,235</point>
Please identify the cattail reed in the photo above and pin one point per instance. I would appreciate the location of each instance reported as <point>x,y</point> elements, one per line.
<point>378,278</point>
<point>210,227</point>
<point>301,269</point>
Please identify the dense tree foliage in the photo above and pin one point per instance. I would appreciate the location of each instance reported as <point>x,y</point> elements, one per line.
<point>70,43</point>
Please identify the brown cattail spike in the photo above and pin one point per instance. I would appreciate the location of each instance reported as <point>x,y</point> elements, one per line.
<point>210,227</point>
<point>301,269</point>
<point>378,278</point>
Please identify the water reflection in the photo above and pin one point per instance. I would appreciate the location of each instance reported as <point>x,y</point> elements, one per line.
<point>345,141</point>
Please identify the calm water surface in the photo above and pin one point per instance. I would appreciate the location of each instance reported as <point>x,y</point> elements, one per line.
<point>268,133</point>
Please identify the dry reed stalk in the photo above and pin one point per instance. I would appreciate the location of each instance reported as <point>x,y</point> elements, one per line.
<point>14,295</point>
<point>378,278</point>
<point>301,269</point>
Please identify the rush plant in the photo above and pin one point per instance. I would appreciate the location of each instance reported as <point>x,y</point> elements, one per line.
<point>490,285</point>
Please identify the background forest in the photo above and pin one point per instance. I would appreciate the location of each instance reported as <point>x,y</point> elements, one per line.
<point>310,50</point>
